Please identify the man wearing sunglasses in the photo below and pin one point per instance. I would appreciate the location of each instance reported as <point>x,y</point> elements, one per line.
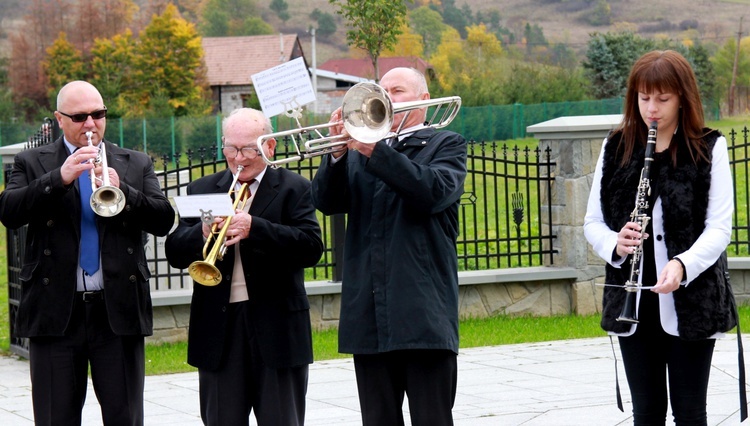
<point>85,299</point>
<point>250,335</point>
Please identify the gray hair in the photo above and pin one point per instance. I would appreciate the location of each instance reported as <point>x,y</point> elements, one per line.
<point>420,82</point>
<point>248,114</point>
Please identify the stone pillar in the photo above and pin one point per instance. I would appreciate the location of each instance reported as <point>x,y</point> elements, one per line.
<point>574,144</point>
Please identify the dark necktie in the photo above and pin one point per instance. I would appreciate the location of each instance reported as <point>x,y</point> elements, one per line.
<point>247,192</point>
<point>89,236</point>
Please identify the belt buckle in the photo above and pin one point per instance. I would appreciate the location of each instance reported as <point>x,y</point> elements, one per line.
<point>90,296</point>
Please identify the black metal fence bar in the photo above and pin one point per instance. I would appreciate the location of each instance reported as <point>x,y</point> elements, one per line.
<point>738,160</point>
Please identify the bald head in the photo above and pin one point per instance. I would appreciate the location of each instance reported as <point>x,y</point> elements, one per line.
<point>78,89</point>
<point>408,76</point>
<point>406,85</point>
<point>80,98</point>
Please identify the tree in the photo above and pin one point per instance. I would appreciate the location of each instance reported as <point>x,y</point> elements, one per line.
<point>454,17</point>
<point>428,24</point>
<point>723,64</point>
<point>704,73</point>
<point>7,108</point>
<point>112,63</point>
<point>534,36</point>
<point>609,58</point>
<point>82,21</point>
<point>326,23</point>
<point>531,83</point>
<point>220,18</point>
<point>168,63</point>
<point>471,68</point>
<point>601,15</point>
<point>374,25</point>
<point>408,44</point>
<point>64,63</point>
<point>280,7</point>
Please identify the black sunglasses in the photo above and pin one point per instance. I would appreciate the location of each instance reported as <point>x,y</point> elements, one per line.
<point>80,118</point>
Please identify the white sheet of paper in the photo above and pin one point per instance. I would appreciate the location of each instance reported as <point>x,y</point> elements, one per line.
<point>195,205</point>
<point>283,87</point>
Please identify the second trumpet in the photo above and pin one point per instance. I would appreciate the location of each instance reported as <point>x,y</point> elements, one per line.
<point>204,271</point>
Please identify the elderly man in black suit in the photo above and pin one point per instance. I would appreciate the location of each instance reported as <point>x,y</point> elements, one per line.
<point>250,335</point>
<point>84,305</point>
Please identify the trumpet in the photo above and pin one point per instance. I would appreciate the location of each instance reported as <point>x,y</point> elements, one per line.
<point>367,115</point>
<point>106,200</point>
<point>205,271</point>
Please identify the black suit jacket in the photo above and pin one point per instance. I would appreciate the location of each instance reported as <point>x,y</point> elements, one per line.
<point>35,195</point>
<point>284,239</point>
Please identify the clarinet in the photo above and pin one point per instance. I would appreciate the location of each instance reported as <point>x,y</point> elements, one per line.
<point>629,312</point>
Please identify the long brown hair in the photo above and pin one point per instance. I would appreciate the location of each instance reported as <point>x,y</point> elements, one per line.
<point>664,71</point>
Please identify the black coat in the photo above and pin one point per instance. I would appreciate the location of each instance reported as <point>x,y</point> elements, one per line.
<point>35,195</point>
<point>400,285</point>
<point>284,239</point>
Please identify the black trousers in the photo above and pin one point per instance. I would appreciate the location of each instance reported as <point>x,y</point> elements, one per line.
<point>655,360</point>
<point>243,383</point>
<point>427,377</point>
<point>59,370</point>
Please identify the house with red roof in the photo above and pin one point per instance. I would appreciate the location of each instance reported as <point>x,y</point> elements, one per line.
<point>231,61</point>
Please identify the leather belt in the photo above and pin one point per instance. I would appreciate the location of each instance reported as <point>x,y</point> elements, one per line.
<point>90,296</point>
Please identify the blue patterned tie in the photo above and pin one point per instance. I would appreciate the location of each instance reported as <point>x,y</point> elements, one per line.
<point>89,235</point>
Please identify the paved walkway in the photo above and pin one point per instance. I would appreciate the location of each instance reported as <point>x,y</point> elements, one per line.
<point>568,382</point>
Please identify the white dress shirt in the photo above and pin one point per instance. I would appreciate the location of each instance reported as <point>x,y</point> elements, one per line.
<point>702,254</point>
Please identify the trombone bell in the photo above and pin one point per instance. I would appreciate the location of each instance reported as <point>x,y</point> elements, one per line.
<point>367,112</point>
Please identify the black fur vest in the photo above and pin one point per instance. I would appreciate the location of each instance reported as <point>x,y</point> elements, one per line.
<point>704,307</point>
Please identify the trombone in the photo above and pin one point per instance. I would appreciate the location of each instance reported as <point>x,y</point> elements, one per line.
<point>106,200</point>
<point>367,114</point>
<point>205,271</point>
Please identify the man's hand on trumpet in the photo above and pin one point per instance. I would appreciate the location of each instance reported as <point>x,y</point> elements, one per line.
<point>114,178</point>
<point>77,163</point>
<point>238,229</point>
<point>353,144</point>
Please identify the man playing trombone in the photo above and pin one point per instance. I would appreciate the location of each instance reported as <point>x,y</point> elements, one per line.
<point>85,299</point>
<point>399,308</point>
<point>250,332</point>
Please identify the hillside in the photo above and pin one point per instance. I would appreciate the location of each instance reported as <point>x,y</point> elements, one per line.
<point>562,21</point>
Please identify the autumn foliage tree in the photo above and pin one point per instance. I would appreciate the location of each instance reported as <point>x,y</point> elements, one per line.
<point>82,21</point>
<point>112,62</point>
<point>64,63</point>
<point>168,62</point>
<point>408,43</point>
<point>470,68</point>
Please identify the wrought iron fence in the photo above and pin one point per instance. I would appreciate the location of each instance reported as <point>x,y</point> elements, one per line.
<point>739,163</point>
<point>500,217</point>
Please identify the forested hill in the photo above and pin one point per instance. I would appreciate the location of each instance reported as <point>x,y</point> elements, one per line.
<point>568,22</point>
